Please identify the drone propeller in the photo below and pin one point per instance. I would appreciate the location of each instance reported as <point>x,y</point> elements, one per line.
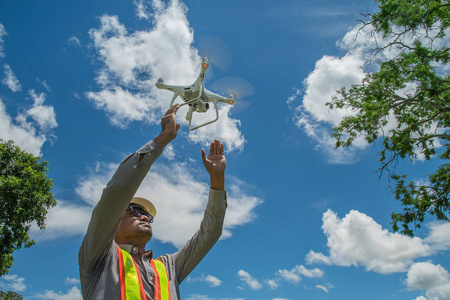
<point>217,51</point>
<point>238,88</point>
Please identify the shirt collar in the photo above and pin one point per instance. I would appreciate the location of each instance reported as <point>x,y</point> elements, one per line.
<point>134,250</point>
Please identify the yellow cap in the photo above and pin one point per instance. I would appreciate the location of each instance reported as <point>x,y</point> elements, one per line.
<point>149,207</point>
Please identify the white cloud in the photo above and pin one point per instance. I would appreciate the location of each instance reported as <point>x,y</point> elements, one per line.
<point>13,283</point>
<point>199,297</point>
<point>142,9</point>
<point>133,62</point>
<point>253,283</point>
<point>241,205</point>
<point>331,74</point>
<point>29,135</point>
<point>289,276</point>
<point>205,297</point>
<point>90,187</point>
<point>314,117</point>
<point>139,59</point>
<point>72,281</point>
<point>73,294</point>
<point>10,80</point>
<point>65,220</point>
<point>293,275</point>
<point>324,288</point>
<point>43,115</point>
<point>44,84</point>
<point>2,34</point>
<point>169,153</point>
<point>314,257</point>
<point>74,41</point>
<point>335,72</point>
<point>225,129</point>
<point>310,273</point>
<point>439,236</point>
<point>294,96</point>
<point>432,278</point>
<point>121,106</point>
<point>211,280</point>
<point>175,186</point>
<point>272,283</point>
<point>358,240</point>
<point>24,134</point>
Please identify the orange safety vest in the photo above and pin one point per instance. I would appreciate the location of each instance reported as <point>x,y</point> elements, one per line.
<point>131,287</point>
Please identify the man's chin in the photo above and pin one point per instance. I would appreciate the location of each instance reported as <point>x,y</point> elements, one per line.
<point>146,228</point>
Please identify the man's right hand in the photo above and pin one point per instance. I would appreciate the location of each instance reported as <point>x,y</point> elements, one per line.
<point>169,127</point>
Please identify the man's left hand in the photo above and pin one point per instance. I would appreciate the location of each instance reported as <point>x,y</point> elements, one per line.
<point>215,164</point>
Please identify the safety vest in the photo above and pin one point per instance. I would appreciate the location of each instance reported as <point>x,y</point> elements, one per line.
<point>131,287</point>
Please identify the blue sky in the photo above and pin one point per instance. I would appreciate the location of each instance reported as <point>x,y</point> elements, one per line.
<point>304,221</point>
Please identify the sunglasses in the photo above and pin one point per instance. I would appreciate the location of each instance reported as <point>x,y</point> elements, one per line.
<point>138,211</point>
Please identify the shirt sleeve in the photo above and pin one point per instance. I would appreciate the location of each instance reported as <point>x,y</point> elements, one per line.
<point>188,257</point>
<point>114,201</point>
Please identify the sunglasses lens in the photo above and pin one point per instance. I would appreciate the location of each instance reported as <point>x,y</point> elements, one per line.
<point>138,212</point>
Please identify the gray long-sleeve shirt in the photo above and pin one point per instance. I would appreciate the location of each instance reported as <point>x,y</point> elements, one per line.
<point>98,257</point>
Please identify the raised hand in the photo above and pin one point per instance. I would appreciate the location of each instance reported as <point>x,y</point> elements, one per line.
<point>169,126</point>
<point>215,164</point>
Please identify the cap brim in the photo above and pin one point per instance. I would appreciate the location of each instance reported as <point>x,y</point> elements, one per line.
<point>149,207</point>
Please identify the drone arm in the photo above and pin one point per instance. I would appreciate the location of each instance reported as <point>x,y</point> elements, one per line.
<point>219,98</point>
<point>175,95</point>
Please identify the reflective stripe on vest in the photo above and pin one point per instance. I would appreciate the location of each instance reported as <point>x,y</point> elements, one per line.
<point>162,289</point>
<point>131,287</point>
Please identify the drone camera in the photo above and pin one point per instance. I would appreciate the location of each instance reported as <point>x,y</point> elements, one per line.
<point>201,106</point>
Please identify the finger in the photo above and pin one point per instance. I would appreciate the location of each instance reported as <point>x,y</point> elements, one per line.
<point>211,149</point>
<point>173,109</point>
<point>217,147</point>
<point>221,149</point>
<point>203,156</point>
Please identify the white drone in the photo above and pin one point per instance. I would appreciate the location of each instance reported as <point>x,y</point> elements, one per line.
<point>196,96</point>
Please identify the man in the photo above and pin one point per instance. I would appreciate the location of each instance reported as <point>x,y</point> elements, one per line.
<point>113,261</point>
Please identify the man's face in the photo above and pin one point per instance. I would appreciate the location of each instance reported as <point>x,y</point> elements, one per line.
<point>134,228</point>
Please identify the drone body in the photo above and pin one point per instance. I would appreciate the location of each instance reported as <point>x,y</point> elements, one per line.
<point>196,96</point>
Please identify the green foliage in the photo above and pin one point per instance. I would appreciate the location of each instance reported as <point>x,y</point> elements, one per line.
<point>419,117</point>
<point>25,196</point>
<point>10,296</point>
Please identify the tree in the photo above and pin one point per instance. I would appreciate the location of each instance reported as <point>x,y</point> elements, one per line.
<point>415,30</point>
<point>25,196</point>
<point>10,295</point>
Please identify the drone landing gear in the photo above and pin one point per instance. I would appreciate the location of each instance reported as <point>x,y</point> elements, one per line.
<point>189,114</point>
<point>192,109</point>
